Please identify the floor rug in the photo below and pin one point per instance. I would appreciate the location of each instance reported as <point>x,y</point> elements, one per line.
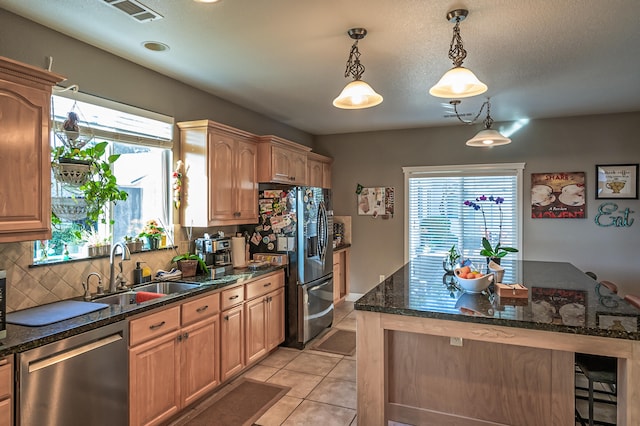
<point>337,341</point>
<point>242,404</point>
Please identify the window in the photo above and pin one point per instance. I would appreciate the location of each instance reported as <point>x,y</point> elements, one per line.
<point>438,218</point>
<point>143,140</point>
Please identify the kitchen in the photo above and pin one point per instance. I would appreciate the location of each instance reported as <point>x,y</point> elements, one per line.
<point>563,143</point>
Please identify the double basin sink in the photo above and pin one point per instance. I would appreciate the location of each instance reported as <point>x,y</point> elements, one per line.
<point>145,292</point>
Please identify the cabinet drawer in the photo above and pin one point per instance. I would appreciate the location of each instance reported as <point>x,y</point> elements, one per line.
<point>201,308</point>
<point>232,297</point>
<point>154,325</point>
<point>6,377</point>
<point>264,285</point>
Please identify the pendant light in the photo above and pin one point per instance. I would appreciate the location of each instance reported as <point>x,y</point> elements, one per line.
<point>357,94</point>
<point>487,136</point>
<point>458,82</point>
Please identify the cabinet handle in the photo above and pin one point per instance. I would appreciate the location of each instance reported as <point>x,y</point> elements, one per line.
<point>292,178</point>
<point>266,285</point>
<point>179,338</point>
<point>236,214</point>
<point>202,309</point>
<point>226,317</point>
<point>186,336</point>
<point>158,325</point>
<point>235,296</point>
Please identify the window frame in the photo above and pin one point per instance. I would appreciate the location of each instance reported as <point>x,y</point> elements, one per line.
<point>512,169</point>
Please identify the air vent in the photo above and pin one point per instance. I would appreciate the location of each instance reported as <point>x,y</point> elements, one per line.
<point>135,9</point>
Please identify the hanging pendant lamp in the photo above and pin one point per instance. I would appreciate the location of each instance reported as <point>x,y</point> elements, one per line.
<point>458,82</point>
<point>357,94</point>
<point>487,136</point>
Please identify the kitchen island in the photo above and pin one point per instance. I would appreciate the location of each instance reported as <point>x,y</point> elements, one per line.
<point>431,354</point>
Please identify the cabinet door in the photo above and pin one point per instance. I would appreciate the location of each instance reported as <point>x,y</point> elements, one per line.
<point>326,175</point>
<point>298,168</point>
<point>281,165</point>
<point>337,277</point>
<point>231,342</point>
<point>199,359</point>
<point>275,318</point>
<point>247,181</point>
<point>222,205</point>
<point>255,336</point>
<point>314,175</point>
<point>154,390</point>
<point>25,209</point>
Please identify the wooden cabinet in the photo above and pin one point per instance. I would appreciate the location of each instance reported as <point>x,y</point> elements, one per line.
<point>232,342</point>
<point>25,96</point>
<point>6,391</point>
<point>282,161</point>
<point>264,313</point>
<point>318,170</point>
<point>173,359</point>
<point>221,183</point>
<point>341,264</point>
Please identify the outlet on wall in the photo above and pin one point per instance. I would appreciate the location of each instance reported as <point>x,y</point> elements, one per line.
<point>381,278</point>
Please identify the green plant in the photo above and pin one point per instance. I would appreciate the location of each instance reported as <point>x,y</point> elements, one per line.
<point>453,255</point>
<point>497,251</point>
<point>189,256</point>
<point>102,188</point>
<point>152,230</point>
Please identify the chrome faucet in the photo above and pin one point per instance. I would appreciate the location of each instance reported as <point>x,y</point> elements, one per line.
<point>87,290</point>
<point>120,281</point>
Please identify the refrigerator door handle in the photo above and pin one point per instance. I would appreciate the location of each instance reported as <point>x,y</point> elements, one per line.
<point>323,232</point>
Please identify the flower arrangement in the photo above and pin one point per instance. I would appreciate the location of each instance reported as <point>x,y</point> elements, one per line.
<point>488,250</point>
<point>177,184</point>
<point>152,230</point>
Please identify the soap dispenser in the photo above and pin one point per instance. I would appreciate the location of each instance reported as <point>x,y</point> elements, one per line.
<point>137,274</point>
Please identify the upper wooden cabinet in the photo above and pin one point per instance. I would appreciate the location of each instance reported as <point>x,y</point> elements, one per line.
<point>282,161</point>
<point>221,184</point>
<point>25,190</point>
<point>318,170</point>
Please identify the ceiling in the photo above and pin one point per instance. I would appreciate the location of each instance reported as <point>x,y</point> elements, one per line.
<point>286,58</point>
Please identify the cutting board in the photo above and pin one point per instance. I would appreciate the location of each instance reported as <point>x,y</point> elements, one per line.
<point>53,312</point>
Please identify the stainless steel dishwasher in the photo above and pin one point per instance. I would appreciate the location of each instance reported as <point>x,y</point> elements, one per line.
<point>80,380</point>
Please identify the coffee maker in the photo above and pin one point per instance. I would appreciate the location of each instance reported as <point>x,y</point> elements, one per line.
<point>216,254</point>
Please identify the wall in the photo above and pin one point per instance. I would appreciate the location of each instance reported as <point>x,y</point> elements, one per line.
<point>550,145</point>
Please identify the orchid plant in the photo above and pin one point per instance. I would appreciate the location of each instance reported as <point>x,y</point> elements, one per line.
<point>498,251</point>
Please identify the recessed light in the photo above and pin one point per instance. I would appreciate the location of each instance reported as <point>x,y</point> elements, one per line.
<point>155,46</point>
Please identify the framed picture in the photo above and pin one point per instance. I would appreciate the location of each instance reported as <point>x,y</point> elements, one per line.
<point>617,181</point>
<point>617,322</point>
<point>558,195</point>
<point>558,306</point>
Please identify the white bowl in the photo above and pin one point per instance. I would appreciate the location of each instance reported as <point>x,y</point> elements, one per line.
<point>475,285</point>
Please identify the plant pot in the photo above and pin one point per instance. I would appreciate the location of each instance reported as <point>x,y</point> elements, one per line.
<point>93,251</point>
<point>68,208</point>
<point>72,174</point>
<point>188,267</point>
<point>134,246</point>
<point>154,243</point>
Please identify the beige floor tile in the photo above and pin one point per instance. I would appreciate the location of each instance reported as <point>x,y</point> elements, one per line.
<point>347,323</point>
<point>260,372</point>
<point>312,364</point>
<point>301,384</point>
<point>335,392</point>
<point>280,357</point>
<point>344,370</point>
<point>279,412</point>
<point>315,413</point>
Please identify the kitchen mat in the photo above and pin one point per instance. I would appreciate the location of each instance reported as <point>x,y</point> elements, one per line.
<point>53,312</point>
<point>337,341</point>
<point>244,402</point>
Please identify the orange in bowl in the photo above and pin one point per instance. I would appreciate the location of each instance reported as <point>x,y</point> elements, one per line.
<point>472,281</point>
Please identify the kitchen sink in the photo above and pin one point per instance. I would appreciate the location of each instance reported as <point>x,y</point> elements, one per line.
<point>166,287</point>
<point>121,299</point>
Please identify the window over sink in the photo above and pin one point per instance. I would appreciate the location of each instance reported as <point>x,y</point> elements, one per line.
<point>143,140</point>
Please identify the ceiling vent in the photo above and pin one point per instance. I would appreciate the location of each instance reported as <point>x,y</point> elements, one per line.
<point>135,9</point>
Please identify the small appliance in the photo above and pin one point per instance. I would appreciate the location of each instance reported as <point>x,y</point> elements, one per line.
<point>216,254</point>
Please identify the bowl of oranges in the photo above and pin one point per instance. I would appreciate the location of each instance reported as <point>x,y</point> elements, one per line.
<point>472,281</point>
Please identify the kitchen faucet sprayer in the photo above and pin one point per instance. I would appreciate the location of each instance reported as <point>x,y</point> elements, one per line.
<point>120,281</point>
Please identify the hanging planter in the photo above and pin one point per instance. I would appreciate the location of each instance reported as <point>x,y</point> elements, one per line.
<point>69,208</point>
<point>72,174</point>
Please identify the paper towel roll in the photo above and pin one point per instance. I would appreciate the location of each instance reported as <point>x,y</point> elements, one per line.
<point>237,252</point>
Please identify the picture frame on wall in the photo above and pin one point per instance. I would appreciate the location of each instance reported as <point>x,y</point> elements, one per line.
<point>617,181</point>
<point>558,195</point>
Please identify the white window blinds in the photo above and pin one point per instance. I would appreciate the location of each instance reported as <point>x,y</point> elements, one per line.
<point>437,216</point>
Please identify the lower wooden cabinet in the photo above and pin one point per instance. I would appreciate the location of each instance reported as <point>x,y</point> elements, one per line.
<point>6,391</point>
<point>232,342</point>
<point>178,365</point>
<point>341,261</point>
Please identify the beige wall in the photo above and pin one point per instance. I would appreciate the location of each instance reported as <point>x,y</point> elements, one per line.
<point>562,144</point>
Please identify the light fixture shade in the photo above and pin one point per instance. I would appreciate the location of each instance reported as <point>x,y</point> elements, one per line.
<point>488,137</point>
<point>357,95</point>
<point>458,82</point>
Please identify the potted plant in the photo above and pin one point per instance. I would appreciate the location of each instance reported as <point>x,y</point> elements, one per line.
<point>134,244</point>
<point>153,232</point>
<point>495,253</point>
<point>452,259</point>
<point>90,177</point>
<point>188,264</point>
<point>98,245</point>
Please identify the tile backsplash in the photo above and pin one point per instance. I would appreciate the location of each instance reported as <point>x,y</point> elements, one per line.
<point>29,286</point>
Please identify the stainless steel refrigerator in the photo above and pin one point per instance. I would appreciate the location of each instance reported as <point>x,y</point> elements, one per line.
<point>299,221</point>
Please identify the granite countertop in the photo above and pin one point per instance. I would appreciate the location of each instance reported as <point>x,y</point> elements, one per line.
<point>561,298</point>
<point>21,338</point>
<point>342,246</point>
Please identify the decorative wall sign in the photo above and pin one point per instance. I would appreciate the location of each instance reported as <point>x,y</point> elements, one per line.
<point>610,215</point>
<point>376,201</point>
<point>617,181</point>
<point>558,195</point>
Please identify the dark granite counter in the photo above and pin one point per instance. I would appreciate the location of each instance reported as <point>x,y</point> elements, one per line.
<point>22,338</point>
<point>561,299</point>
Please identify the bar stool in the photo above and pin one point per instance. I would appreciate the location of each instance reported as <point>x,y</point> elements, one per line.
<point>599,369</point>
<point>632,299</point>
